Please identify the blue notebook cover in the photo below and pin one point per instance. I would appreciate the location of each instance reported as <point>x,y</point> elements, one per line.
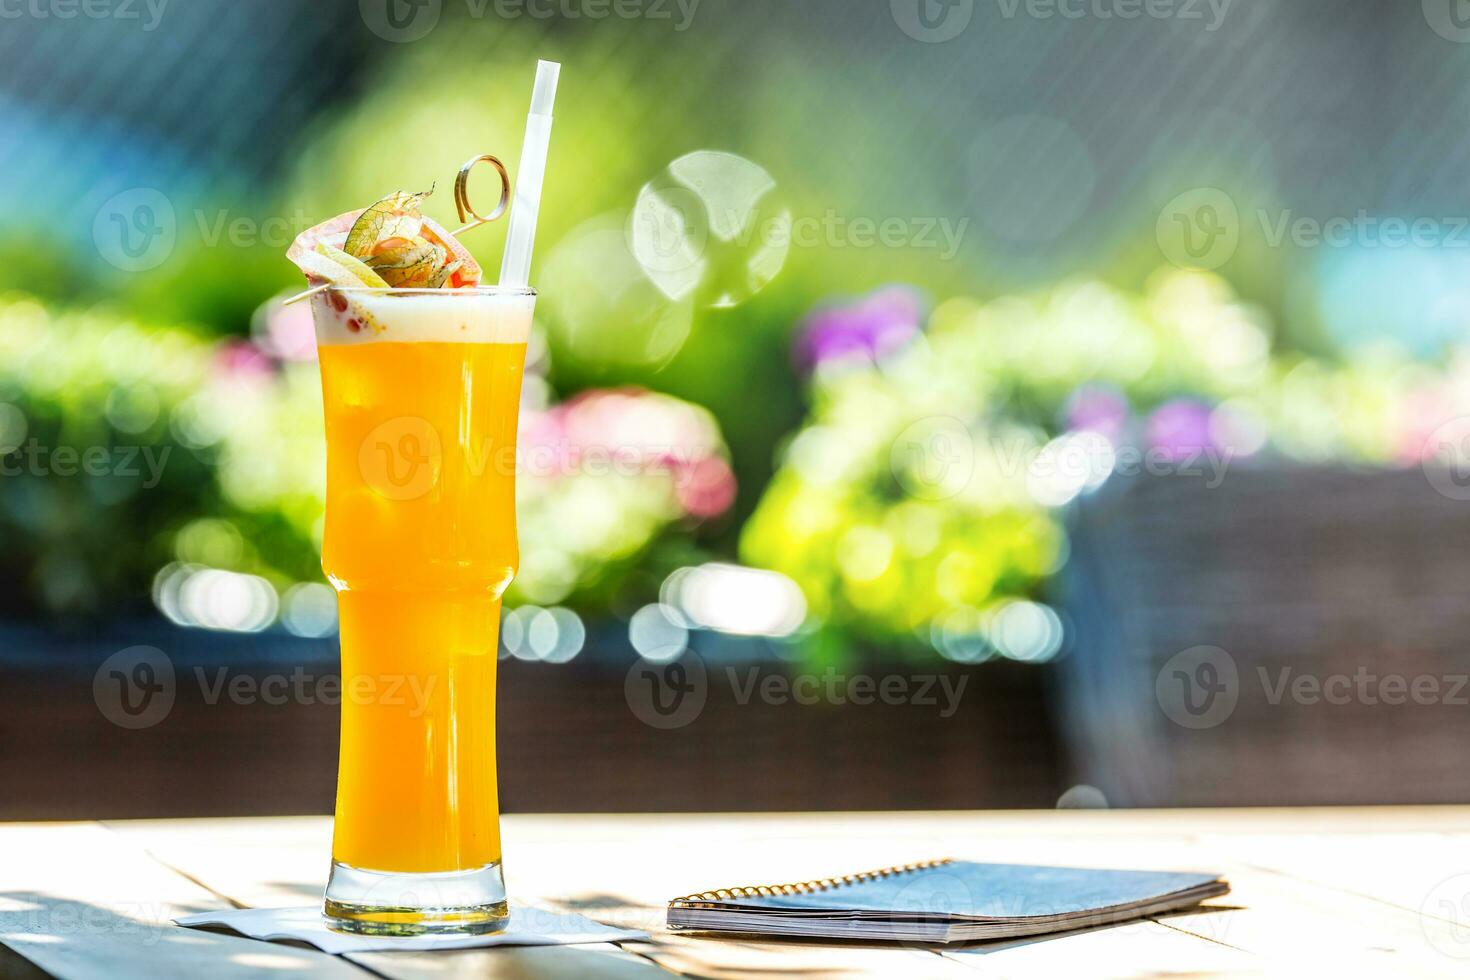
<point>946,901</point>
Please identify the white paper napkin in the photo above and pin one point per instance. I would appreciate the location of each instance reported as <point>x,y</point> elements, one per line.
<point>528,926</point>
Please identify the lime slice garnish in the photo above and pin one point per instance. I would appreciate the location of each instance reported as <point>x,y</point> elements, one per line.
<point>356,268</point>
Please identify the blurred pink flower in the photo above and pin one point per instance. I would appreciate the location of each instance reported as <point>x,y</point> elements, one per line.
<point>707,488</point>
<point>240,360</point>
<point>287,332</point>
<point>627,429</point>
<point>1420,416</point>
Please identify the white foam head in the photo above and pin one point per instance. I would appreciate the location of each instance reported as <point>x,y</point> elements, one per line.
<point>408,316</point>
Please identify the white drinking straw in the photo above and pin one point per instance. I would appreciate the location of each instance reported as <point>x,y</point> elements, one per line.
<point>515,270</point>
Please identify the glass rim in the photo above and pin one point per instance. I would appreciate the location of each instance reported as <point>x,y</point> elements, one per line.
<point>496,290</point>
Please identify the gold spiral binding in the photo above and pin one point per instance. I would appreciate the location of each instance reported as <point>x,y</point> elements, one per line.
<point>806,887</point>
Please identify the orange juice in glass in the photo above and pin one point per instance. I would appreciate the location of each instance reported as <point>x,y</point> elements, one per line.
<point>421,390</point>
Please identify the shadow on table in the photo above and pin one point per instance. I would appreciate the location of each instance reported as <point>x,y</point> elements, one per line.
<point>1202,918</point>
<point>42,935</point>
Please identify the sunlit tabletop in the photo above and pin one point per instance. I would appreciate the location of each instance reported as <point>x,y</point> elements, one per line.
<point>1342,892</point>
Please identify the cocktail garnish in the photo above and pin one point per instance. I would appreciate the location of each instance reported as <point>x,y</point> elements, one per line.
<point>442,276</point>
<point>399,215</point>
<point>467,212</point>
<point>389,238</point>
<point>393,245</point>
<point>360,270</point>
<point>408,264</point>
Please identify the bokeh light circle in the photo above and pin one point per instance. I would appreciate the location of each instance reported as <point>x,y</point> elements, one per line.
<point>710,228</point>
<point>603,308</point>
<point>658,633</point>
<point>13,428</point>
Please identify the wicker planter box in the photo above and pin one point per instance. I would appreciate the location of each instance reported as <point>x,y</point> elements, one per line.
<point>569,740</point>
<point>1333,609</point>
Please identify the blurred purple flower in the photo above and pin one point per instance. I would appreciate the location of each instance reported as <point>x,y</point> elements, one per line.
<point>1097,408</point>
<point>1181,429</point>
<point>871,328</point>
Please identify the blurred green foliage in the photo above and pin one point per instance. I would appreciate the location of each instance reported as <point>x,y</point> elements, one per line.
<point>97,470</point>
<point>926,490</point>
<point>855,505</point>
<point>127,448</point>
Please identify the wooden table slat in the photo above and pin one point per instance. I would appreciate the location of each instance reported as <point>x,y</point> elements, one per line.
<point>1345,891</point>
<point>514,963</point>
<point>80,903</point>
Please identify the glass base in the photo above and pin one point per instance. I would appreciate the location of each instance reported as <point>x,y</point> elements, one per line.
<point>387,903</point>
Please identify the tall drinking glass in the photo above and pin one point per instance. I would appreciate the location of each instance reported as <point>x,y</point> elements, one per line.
<point>421,391</point>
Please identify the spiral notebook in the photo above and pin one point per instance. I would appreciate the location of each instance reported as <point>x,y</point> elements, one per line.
<point>945,902</point>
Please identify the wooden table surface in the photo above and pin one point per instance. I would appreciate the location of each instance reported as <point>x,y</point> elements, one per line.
<point>1342,893</point>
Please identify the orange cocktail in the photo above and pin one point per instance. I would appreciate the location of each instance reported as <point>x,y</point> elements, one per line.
<point>421,391</point>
